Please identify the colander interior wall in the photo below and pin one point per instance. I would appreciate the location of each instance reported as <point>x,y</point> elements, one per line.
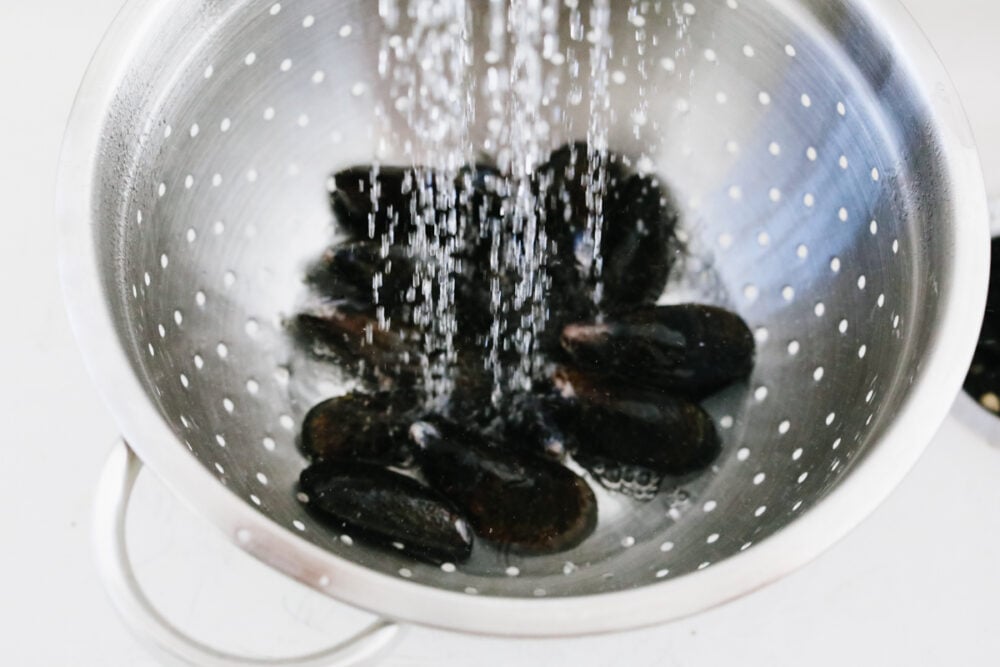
<point>798,166</point>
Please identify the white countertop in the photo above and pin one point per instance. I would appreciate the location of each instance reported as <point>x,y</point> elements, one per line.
<point>916,584</point>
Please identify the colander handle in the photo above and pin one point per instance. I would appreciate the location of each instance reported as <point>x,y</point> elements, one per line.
<point>145,621</point>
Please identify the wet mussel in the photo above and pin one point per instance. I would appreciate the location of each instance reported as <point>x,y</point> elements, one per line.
<point>370,203</point>
<point>616,393</point>
<point>349,335</point>
<point>629,438</point>
<point>348,273</point>
<point>691,350</point>
<point>386,507</point>
<point>523,503</point>
<point>650,429</point>
<point>534,423</point>
<point>361,427</point>
<point>639,245</point>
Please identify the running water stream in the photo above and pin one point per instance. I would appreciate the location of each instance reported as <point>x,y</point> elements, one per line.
<point>427,61</point>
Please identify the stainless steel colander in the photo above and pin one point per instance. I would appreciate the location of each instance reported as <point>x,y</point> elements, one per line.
<point>831,194</point>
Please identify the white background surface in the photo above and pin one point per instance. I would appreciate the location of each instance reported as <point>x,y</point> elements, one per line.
<point>917,584</point>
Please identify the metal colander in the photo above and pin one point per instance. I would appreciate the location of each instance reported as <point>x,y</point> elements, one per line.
<point>831,195</point>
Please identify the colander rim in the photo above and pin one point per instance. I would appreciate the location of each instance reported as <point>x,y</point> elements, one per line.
<point>794,545</point>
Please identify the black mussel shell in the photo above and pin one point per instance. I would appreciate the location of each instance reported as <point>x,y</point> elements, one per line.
<point>387,508</point>
<point>562,183</point>
<point>563,179</point>
<point>639,245</point>
<point>477,188</point>
<point>532,424</point>
<point>637,427</point>
<point>569,301</point>
<point>353,201</point>
<point>348,272</point>
<point>362,427</point>
<point>350,335</point>
<point>690,349</point>
<point>525,503</point>
<point>470,402</point>
<point>473,311</point>
<point>482,189</point>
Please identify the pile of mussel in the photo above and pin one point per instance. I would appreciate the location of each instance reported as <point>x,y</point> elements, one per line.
<point>616,396</point>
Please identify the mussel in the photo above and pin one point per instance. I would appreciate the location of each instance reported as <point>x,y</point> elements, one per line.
<point>563,180</point>
<point>524,503</point>
<point>349,333</point>
<point>482,189</point>
<point>636,427</point>
<point>639,244</point>
<point>638,241</point>
<point>532,424</point>
<point>348,272</point>
<point>368,202</point>
<point>387,508</point>
<point>361,427</point>
<point>368,213</point>
<point>690,349</point>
